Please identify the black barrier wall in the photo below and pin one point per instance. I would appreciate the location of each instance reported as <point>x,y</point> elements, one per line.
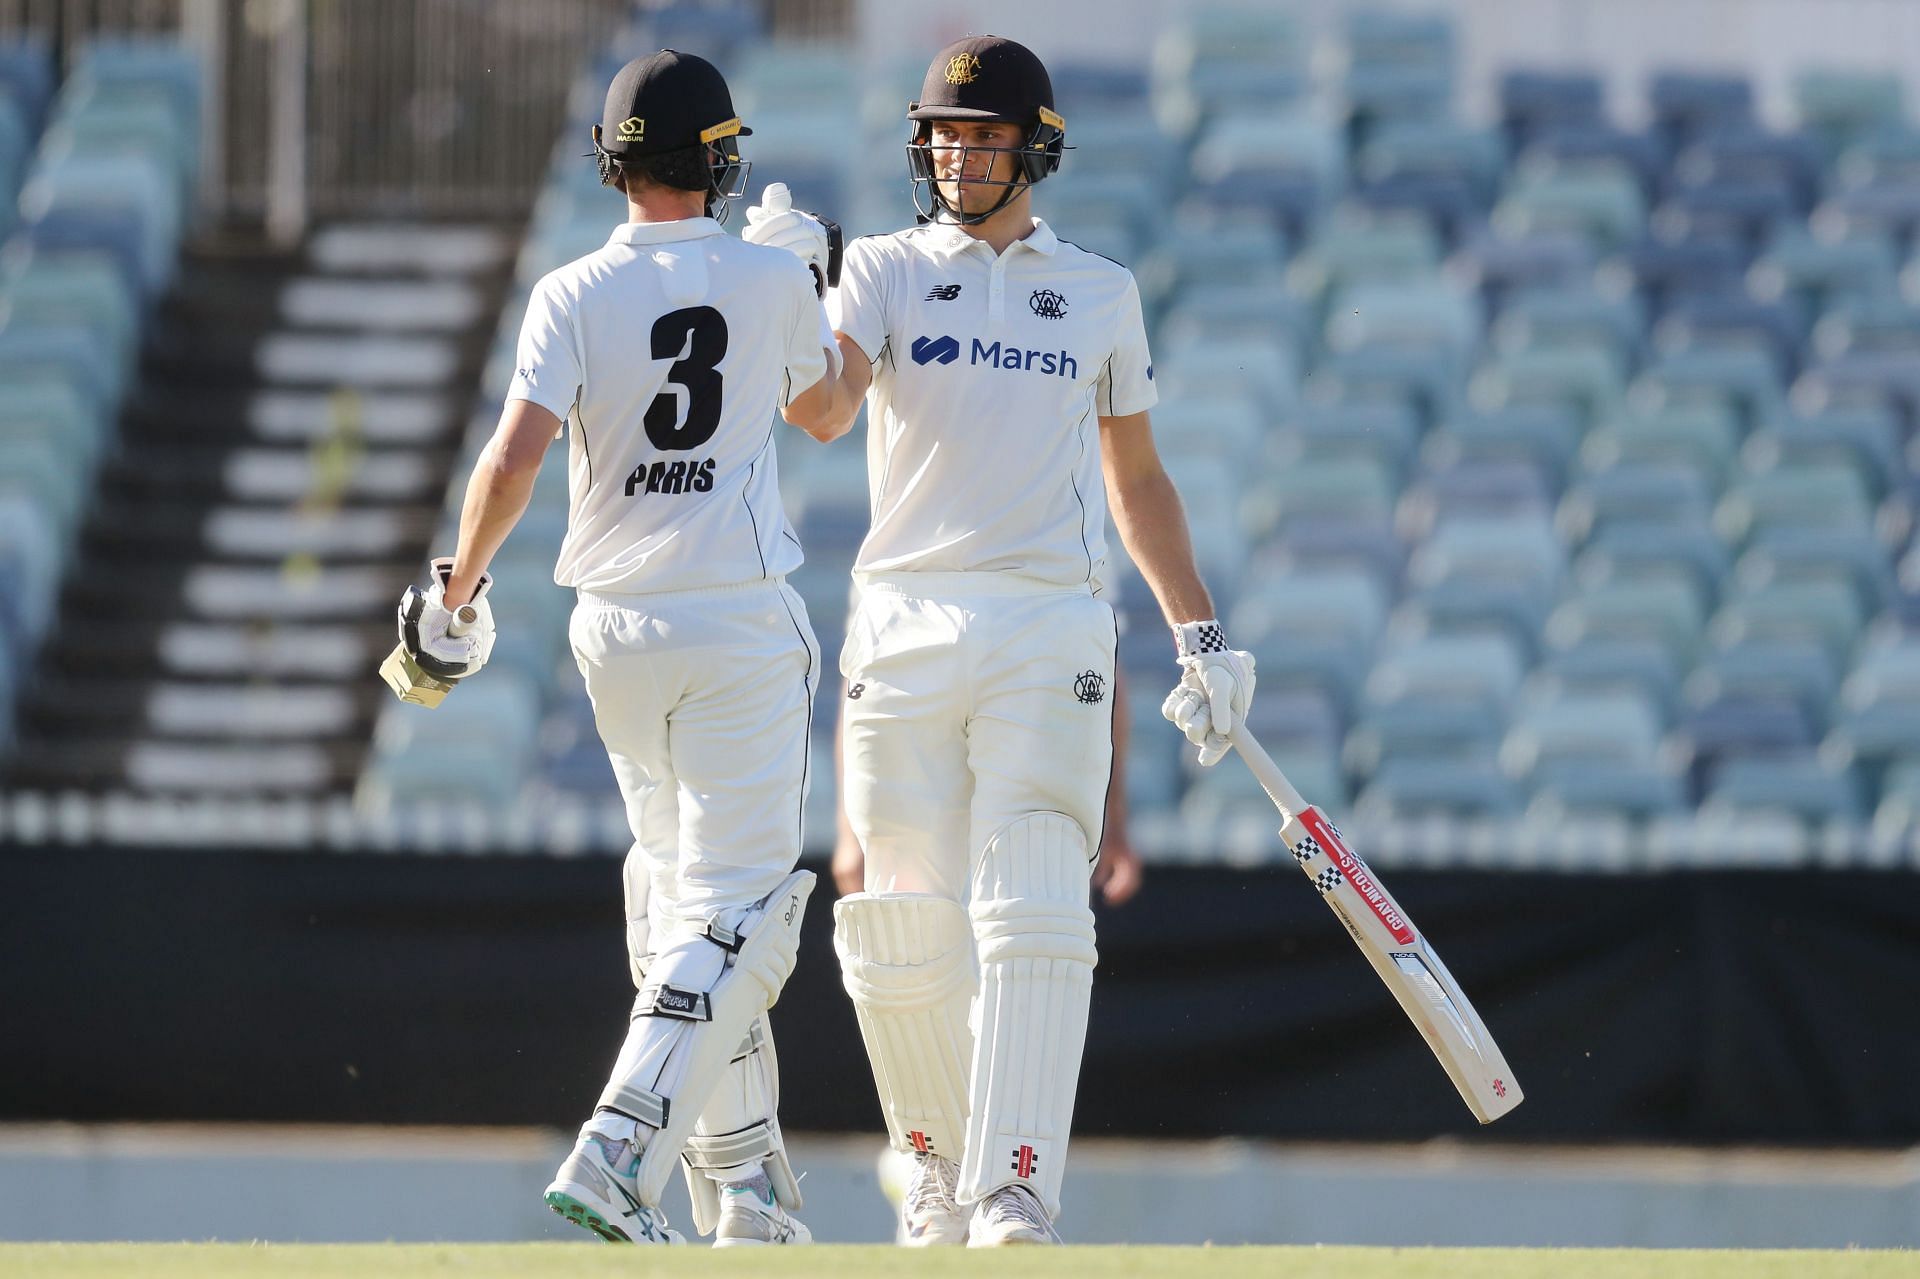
<point>1722,1007</point>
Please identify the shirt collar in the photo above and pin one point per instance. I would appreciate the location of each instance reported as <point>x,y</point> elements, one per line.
<point>664,232</point>
<point>1041,240</point>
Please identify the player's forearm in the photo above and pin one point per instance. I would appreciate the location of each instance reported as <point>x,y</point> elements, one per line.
<point>827,409</point>
<point>1153,528</point>
<point>497,496</point>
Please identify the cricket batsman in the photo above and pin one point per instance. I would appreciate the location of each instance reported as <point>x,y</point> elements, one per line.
<point>663,356</point>
<point>1008,383</point>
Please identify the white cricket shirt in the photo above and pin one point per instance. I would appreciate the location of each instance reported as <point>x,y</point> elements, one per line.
<point>990,376</point>
<point>667,353</point>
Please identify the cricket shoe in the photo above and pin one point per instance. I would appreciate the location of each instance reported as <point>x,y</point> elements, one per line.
<point>595,1189</point>
<point>750,1218</point>
<point>1010,1215</point>
<point>930,1214</point>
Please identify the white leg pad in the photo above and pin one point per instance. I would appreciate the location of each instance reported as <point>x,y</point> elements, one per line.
<point>907,962</point>
<point>740,1127</point>
<point>704,987</point>
<point>1034,931</point>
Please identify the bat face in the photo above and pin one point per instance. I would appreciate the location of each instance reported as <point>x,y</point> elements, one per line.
<point>1411,969</point>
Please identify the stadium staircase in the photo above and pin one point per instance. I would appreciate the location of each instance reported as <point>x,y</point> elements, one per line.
<point>281,468</point>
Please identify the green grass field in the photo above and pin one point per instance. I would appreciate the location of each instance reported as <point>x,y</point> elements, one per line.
<point>534,1261</point>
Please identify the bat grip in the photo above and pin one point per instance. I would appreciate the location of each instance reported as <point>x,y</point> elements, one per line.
<point>463,619</point>
<point>1267,773</point>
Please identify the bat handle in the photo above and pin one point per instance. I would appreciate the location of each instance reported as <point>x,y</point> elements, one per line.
<point>1267,773</point>
<point>463,619</point>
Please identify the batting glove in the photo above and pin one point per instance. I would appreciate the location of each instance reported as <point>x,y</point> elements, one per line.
<point>814,239</point>
<point>446,646</point>
<point>1215,689</point>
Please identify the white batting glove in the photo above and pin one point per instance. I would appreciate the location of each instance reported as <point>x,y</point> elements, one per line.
<point>427,626</point>
<point>775,222</point>
<point>1215,689</point>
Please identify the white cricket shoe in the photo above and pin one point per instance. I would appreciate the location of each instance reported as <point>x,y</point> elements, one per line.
<point>1010,1215</point>
<point>750,1217</point>
<point>930,1214</point>
<point>595,1190</point>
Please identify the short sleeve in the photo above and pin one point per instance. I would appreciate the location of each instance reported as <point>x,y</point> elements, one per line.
<point>546,366</point>
<point>858,307</point>
<point>1126,384</point>
<point>806,333</point>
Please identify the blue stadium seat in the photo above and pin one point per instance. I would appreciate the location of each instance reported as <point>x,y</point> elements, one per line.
<point>1417,728</point>
<point>1604,665</point>
<point>1744,378</point>
<point>1542,436</point>
<point>1743,153</point>
<point>1535,101</point>
<point>1464,606</point>
<point>1434,149</point>
<point>1499,264</point>
<point>1363,542</point>
<point>1588,380</point>
<point>1737,725</point>
<point>27,79</point>
<point>1666,610</point>
<point>1717,321</point>
<point>1341,605</point>
<point>1831,495</point>
<point>1659,493</point>
<point>1885,672</point>
<point>1408,789</point>
<point>1600,203</point>
<point>1425,381</point>
<point>1482,670</point>
<point>1799,671</point>
<point>1616,726</point>
<point>1686,104</point>
<point>1743,212</point>
<point>1426,314</point>
<point>1840,106</point>
<point>1701,437</point>
<point>1822,610</point>
<point>1549,318</point>
<point>1800,786</point>
<point>1602,788</point>
<point>1819,273</point>
<point>1572,145</point>
<point>1663,270</point>
<point>1626,552</point>
<point>1521,548</point>
<point>1855,557</point>
<point>1382,431</point>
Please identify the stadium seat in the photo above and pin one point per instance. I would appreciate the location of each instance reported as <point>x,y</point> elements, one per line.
<point>1564,788</point>
<point>1701,437</point>
<point>1602,204</point>
<point>1532,319</point>
<point>1626,552</point>
<point>1541,436</point>
<point>1409,789</point>
<point>1799,786</point>
<point>1535,101</point>
<point>1686,104</point>
<point>1478,670</point>
<point>1604,665</point>
<point>1799,671</point>
<point>1381,431</point>
<point>1421,728</point>
<point>1666,610</point>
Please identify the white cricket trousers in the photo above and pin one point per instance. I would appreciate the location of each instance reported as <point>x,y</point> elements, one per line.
<point>972,700</point>
<point>705,702</point>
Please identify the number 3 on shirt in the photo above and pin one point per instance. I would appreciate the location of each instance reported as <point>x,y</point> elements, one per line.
<point>686,413</point>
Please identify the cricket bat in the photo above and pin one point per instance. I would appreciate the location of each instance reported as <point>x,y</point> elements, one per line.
<point>1386,936</point>
<point>411,684</point>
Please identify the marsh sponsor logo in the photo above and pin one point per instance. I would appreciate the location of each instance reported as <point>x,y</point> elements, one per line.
<point>945,349</point>
<point>940,350</point>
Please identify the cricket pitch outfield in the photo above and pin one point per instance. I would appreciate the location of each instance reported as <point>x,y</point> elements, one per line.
<point>534,1261</point>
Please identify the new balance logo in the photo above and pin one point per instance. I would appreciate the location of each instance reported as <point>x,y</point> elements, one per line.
<point>1024,1161</point>
<point>943,293</point>
<point>940,350</point>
